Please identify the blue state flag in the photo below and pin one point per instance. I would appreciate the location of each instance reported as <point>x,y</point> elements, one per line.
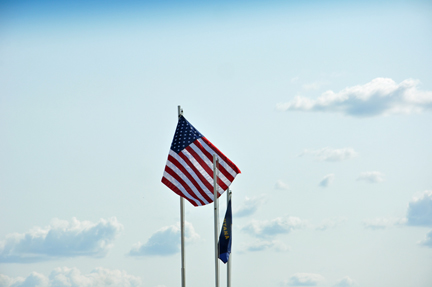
<point>225,237</point>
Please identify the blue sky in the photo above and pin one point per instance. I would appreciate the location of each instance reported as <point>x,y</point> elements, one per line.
<point>324,106</point>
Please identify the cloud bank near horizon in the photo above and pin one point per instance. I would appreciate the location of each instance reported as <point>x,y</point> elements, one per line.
<point>304,279</point>
<point>61,239</point>
<point>164,242</point>
<point>67,277</point>
<point>345,282</point>
<point>379,97</point>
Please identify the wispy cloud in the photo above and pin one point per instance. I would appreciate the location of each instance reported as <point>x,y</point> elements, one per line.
<point>330,154</point>
<point>371,176</point>
<point>345,282</point>
<point>279,225</point>
<point>295,79</point>
<point>250,205</point>
<point>281,185</point>
<point>67,277</point>
<point>381,96</point>
<point>303,279</point>
<point>419,211</point>
<point>327,180</point>
<point>165,241</point>
<point>383,223</point>
<point>427,241</point>
<point>330,223</point>
<point>261,245</point>
<point>61,239</point>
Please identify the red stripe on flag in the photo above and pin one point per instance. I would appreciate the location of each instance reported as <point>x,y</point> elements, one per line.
<point>219,153</point>
<point>174,188</point>
<point>198,188</point>
<point>222,169</point>
<point>200,161</point>
<point>206,167</point>
<point>183,184</point>
<point>207,184</point>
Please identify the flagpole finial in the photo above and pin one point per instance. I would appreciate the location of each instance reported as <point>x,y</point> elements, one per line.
<point>180,111</point>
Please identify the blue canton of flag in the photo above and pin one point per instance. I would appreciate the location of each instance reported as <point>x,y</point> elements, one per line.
<point>189,168</point>
<point>225,237</point>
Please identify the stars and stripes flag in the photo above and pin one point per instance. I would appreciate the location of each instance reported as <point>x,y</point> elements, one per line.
<point>189,168</point>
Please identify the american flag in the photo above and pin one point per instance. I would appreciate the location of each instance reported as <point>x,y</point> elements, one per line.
<point>189,168</point>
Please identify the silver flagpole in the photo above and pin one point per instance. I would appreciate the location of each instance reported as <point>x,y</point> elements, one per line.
<point>230,257</point>
<point>216,218</point>
<point>182,224</point>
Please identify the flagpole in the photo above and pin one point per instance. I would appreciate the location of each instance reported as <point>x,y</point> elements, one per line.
<point>182,224</point>
<point>230,257</point>
<point>216,218</point>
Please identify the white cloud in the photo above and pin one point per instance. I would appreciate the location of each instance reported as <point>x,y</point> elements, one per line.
<point>33,279</point>
<point>295,79</point>
<point>6,281</point>
<point>329,154</point>
<point>327,180</point>
<point>250,205</point>
<point>330,223</point>
<point>61,239</point>
<point>279,225</point>
<point>381,96</point>
<point>371,176</point>
<point>428,240</point>
<point>165,241</point>
<point>383,223</point>
<point>72,277</point>
<point>420,210</point>
<point>345,282</point>
<point>281,185</point>
<point>303,279</point>
<point>261,245</point>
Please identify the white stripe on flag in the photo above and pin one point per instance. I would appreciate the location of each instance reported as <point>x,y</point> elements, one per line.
<point>180,187</point>
<point>186,180</point>
<point>221,161</point>
<point>210,165</point>
<point>191,172</point>
<point>201,169</point>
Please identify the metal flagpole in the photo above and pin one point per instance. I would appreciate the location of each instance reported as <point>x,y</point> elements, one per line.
<point>216,218</point>
<point>230,257</point>
<point>182,224</point>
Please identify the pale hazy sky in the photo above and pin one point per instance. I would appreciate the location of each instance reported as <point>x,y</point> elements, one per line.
<point>325,106</point>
